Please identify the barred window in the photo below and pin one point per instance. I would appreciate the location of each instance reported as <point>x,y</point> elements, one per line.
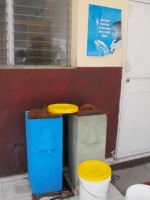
<point>35,32</point>
<point>3,33</point>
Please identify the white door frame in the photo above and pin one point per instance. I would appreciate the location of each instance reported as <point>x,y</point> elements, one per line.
<point>122,86</point>
<point>126,67</point>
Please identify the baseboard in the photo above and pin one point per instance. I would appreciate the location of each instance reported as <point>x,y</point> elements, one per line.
<point>130,163</point>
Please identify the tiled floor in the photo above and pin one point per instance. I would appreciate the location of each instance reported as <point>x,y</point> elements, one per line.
<point>131,176</point>
<point>18,188</point>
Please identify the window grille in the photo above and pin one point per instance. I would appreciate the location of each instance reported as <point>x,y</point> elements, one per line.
<point>3,33</point>
<point>38,32</point>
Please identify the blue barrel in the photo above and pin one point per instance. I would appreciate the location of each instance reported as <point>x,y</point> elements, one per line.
<point>44,154</point>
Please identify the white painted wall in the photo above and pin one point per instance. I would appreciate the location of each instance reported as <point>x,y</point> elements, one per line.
<point>80,30</point>
<point>74,32</point>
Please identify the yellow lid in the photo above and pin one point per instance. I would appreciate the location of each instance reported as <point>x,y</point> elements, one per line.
<point>62,108</point>
<point>94,170</point>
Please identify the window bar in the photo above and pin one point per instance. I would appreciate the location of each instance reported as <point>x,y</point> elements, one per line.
<point>5,41</point>
<point>68,36</point>
<point>10,18</point>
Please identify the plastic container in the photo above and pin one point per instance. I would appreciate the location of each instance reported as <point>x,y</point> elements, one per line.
<point>62,108</point>
<point>138,192</point>
<point>94,179</point>
<point>44,154</point>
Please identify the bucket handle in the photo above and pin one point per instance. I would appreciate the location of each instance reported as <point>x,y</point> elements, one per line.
<point>102,196</point>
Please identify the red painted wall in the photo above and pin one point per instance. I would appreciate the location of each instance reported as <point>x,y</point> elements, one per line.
<point>22,89</point>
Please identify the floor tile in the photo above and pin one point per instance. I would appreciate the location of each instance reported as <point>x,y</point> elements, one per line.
<point>131,176</point>
<point>74,198</point>
<point>1,192</point>
<point>113,191</point>
<point>25,198</point>
<point>13,178</point>
<point>17,190</point>
<point>116,197</point>
<point>45,198</point>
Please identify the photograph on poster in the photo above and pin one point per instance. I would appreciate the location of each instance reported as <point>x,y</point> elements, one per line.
<point>104,30</point>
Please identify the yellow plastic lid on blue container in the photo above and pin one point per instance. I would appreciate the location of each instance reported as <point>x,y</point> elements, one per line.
<point>94,170</point>
<point>62,108</point>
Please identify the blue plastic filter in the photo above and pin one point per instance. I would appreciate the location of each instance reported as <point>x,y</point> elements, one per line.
<point>44,153</point>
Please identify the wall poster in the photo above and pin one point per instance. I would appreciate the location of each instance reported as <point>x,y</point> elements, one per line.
<point>104,30</point>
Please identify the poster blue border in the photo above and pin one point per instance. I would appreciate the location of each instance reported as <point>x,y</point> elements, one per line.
<point>100,22</point>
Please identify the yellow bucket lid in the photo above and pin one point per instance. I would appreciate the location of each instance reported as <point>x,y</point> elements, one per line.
<point>94,170</point>
<point>62,108</point>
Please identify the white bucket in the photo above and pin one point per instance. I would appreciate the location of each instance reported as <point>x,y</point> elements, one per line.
<point>138,192</point>
<point>94,190</point>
